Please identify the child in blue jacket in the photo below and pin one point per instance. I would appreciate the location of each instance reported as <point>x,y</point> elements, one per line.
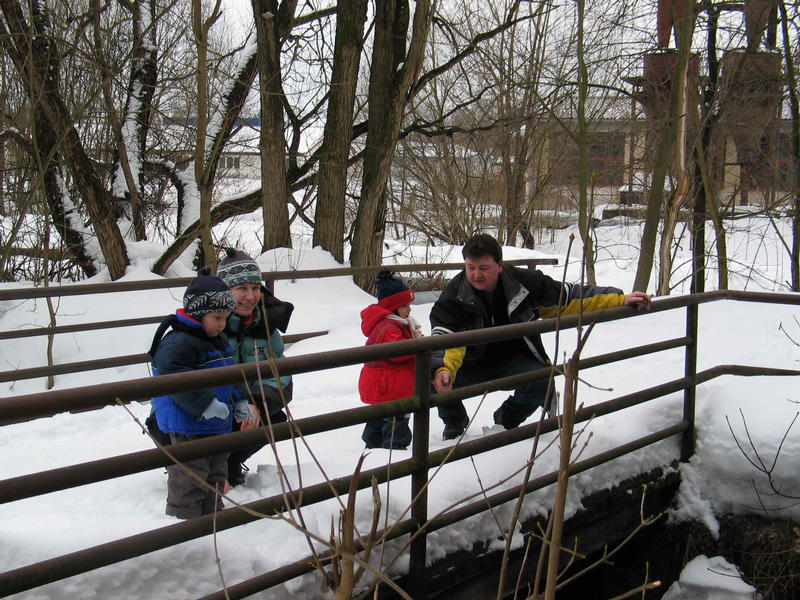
<point>197,341</point>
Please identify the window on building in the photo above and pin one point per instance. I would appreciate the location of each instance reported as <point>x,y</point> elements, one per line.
<point>229,163</point>
<point>767,167</point>
<point>606,159</point>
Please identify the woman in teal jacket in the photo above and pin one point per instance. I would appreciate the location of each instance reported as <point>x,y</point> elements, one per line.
<point>253,332</point>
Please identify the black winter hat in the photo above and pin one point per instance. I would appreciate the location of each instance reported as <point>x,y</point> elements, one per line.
<point>237,267</point>
<point>207,293</point>
<point>392,292</point>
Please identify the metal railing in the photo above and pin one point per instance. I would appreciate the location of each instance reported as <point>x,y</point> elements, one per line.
<point>131,286</point>
<point>114,361</point>
<point>418,525</point>
<point>268,276</point>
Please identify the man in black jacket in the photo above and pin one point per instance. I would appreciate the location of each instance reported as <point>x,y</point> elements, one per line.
<point>489,294</point>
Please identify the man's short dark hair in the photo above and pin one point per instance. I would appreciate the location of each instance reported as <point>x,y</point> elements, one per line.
<point>482,244</point>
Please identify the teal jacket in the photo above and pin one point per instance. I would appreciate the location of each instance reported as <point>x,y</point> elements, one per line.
<point>252,341</point>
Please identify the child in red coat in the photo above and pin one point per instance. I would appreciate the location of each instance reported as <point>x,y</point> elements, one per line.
<point>381,381</point>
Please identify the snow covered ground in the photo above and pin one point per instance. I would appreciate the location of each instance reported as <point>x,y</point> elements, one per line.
<point>717,480</point>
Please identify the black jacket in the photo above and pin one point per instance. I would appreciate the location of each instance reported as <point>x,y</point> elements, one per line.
<point>530,295</point>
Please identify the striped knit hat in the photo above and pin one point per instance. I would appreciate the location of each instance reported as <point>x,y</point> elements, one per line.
<point>237,267</point>
<point>207,293</point>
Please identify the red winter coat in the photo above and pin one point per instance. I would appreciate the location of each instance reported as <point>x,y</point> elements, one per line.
<point>390,379</point>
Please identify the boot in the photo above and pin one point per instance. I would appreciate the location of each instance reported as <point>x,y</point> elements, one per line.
<point>501,418</point>
<point>236,474</point>
<point>454,429</point>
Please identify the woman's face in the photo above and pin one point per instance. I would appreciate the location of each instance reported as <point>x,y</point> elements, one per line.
<point>247,296</point>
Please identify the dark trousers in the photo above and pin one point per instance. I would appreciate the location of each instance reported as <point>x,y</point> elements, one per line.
<point>389,432</point>
<point>274,404</point>
<point>517,407</point>
<point>188,498</point>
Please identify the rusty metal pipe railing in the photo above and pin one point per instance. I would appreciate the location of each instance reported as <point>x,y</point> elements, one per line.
<point>43,482</point>
<point>81,561</point>
<point>262,582</point>
<point>178,282</point>
<point>265,581</point>
<point>77,327</point>
<point>25,486</point>
<point>25,407</point>
<point>690,370</point>
<point>494,500</point>
<point>116,361</point>
<point>512,436</point>
<point>61,478</point>
<point>30,293</point>
<point>84,560</point>
<point>301,567</point>
<point>43,404</point>
<point>743,371</point>
<point>512,381</point>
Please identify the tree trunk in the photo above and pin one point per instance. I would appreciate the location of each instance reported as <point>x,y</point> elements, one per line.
<point>205,186</point>
<point>138,107</point>
<point>584,208</point>
<point>721,245</point>
<point>506,231</point>
<point>332,178</point>
<point>51,181</point>
<point>705,188</point>
<point>234,100</point>
<point>794,104</point>
<point>392,74</point>
<point>661,164</point>
<point>275,211</point>
<point>516,210</point>
<point>41,78</point>
<point>678,197</point>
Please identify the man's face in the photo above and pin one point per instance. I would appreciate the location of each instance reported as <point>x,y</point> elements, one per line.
<point>482,272</point>
<point>247,297</point>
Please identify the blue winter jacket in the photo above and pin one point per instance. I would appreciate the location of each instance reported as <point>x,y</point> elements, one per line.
<point>188,348</point>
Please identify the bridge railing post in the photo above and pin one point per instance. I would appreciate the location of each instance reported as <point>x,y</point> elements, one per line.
<point>419,479</point>
<point>690,371</point>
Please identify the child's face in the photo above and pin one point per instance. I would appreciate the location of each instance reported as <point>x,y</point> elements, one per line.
<point>214,323</point>
<point>404,311</point>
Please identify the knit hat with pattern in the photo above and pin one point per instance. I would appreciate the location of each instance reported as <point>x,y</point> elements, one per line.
<point>207,293</point>
<point>237,267</point>
<point>392,292</point>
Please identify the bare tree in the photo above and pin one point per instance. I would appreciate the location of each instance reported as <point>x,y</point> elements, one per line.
<point>393,72</point>
<point>790,59</point>
<point>272,26</point>
<point>329,216</point>
<point>201,25</point>
<point>130,130</point>
<point>669,131</point>
<point>32,47</point>
<point>471,154</point>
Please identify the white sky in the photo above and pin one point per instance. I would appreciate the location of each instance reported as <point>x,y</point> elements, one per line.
<point>717,480</point>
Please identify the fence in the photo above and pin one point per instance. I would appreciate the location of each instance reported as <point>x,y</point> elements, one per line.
<point>129,286</point>
<point>418,525</point>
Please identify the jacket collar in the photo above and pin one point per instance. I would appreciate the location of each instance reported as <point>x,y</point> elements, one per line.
<point>252,325</point>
